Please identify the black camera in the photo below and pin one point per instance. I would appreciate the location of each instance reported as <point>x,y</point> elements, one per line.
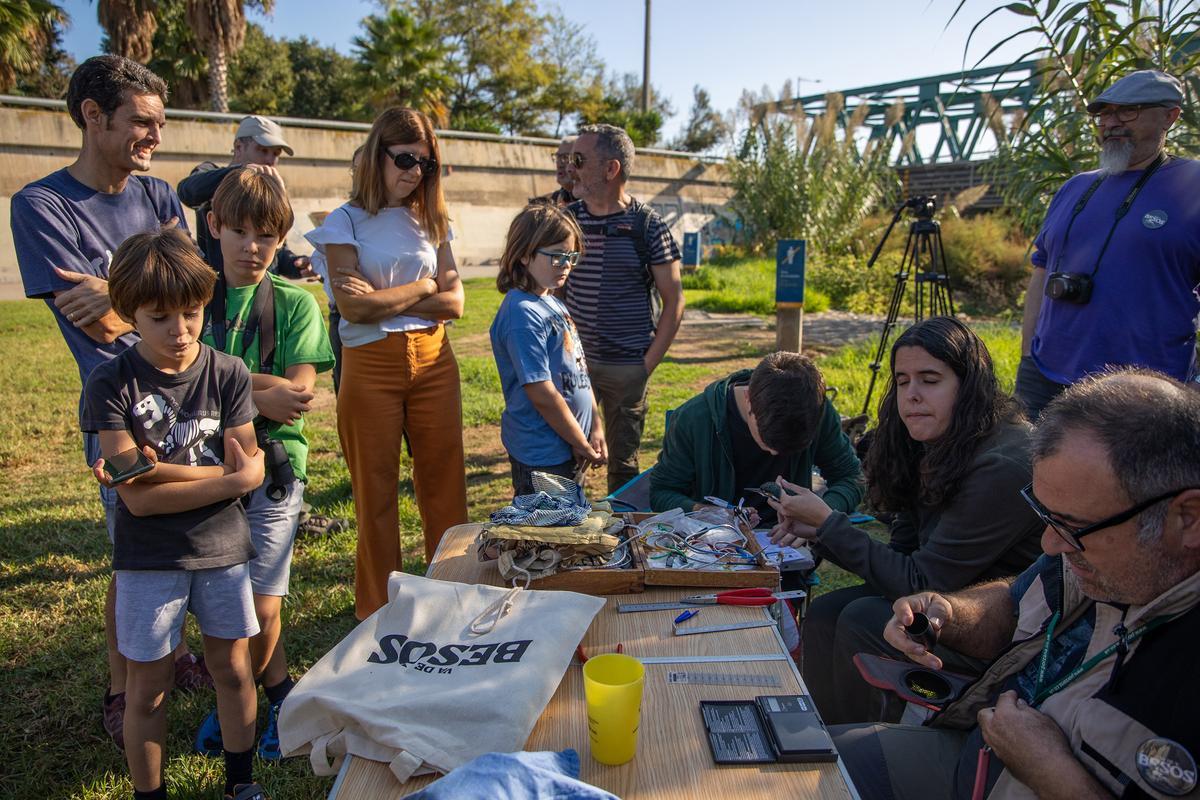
<point>279,468</point>
<point>1069,287</point>
<point>922,207</point>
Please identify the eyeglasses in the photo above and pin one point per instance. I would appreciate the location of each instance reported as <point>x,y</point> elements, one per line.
<point>561,159</point>
<point>560,257</point>
<point>1071,534</point>
<point>578,160</point>
<point>406,161</point>
<point>1120,113</point>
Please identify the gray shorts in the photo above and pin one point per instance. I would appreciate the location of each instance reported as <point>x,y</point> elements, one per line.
<point>151,605</point>
<point>108,497</point>
<point>273,530</point>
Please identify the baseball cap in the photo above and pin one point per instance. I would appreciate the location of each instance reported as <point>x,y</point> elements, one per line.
<point>1146,87</point>
<point>263,131</point>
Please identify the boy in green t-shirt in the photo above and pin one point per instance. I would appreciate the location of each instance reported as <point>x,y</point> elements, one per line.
<point>250,216</point>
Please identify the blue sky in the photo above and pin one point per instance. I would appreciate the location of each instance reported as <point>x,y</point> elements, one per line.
<point>723,46</point>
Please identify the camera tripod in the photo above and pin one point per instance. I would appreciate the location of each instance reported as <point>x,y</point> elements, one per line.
<point>925,259</point>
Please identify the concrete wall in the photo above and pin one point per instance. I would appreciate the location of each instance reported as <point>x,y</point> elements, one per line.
<point>486,180</point>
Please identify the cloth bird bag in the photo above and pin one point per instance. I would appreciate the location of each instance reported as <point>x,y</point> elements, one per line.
<point>443,673</point>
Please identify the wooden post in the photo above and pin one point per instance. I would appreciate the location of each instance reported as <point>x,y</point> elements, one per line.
<point>789,326</point>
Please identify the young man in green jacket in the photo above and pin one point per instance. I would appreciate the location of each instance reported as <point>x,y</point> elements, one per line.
<point>750,427</point>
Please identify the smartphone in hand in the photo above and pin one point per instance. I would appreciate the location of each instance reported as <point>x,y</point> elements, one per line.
<point>127,464</point>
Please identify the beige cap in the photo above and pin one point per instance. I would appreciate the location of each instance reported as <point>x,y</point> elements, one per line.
<point>263,131</point>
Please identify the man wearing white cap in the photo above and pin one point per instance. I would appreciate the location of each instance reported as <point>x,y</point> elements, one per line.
<point>258,145</point>
<point>1117,260</point>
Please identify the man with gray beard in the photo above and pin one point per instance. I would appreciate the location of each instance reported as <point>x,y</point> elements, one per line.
<point>1117,262</point>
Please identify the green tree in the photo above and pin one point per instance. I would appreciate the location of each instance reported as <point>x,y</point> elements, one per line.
<point>220,30</point>
<point>52,75</point>
<point>491,61</point>
<point>130,25</point>
<point>324,83</point>
<point>260,75</point>
<point>706,126</point>
<point>795,179</point>
<point>1082,47</point>
<point>401,62</point>
<point>574,72</point>
<point>178,58</point>
<point>621,106</point>
<point>26,28</point>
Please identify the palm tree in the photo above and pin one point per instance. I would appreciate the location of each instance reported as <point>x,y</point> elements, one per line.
<point>25,27</point>
<point>402,62</point>
<point>130,25</point>
<point>220,28</point>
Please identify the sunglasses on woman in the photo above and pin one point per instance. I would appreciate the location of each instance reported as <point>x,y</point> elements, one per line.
<point>406,161</point>
<point>560,257</point>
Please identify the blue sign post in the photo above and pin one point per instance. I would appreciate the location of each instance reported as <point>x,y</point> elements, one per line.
<point>691,249</point>
<point>789,273</point>
<point>789,294</point>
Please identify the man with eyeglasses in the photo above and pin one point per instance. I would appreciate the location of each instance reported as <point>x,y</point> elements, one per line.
<point>1091,691</point>
<point>258,145</point>
<point>562,173</point>
<point>1117,262</point>
<point>630,266</point>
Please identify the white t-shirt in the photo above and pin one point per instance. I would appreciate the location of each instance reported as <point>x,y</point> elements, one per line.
<point>392,250</point>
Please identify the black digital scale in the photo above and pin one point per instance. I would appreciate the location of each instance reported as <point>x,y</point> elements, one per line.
<point>767,730</point>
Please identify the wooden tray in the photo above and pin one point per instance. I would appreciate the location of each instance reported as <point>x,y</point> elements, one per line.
<point>765,575</point>
<point>629,580</point>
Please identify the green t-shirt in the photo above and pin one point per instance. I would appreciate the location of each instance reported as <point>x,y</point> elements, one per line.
<point>300,338</point>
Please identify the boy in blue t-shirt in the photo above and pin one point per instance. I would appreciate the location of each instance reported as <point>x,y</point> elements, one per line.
<point>181,541</point>
<point>550,423</point>
<point>249,218</point>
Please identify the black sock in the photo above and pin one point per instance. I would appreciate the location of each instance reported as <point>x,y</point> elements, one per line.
<point>157,794</point>
<point>276,693</point>
<point>239,768</point>
<point>109,697</point>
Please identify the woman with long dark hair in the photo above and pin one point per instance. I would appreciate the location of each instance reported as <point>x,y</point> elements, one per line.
<point>949,459</point>
<point>395,282</point>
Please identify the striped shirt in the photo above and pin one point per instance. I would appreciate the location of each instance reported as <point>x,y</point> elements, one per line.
<point>610,293</point>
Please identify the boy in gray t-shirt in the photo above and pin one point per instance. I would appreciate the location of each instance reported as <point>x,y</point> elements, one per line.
<point>181,540</point>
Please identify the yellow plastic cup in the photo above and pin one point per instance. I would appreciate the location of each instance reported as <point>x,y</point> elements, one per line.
<point>612,684</point>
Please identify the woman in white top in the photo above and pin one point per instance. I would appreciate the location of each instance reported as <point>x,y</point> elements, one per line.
<point>395,281</point>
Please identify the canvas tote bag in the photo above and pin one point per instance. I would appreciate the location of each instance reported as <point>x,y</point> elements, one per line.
<point>443,673</point>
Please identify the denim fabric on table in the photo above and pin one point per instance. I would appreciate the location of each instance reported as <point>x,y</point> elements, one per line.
<point>557,501</point>
<point>515,776</point>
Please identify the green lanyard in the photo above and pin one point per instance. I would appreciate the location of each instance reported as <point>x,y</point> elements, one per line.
<point>1040,694</point>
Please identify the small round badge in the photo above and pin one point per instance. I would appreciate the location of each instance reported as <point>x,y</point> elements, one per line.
<point>1155,219</point>
<point>1167,766</point>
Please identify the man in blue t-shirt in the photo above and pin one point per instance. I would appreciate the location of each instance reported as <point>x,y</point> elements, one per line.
<point>1117,262</point>
<point>629,255</point>
<point>66,227</point>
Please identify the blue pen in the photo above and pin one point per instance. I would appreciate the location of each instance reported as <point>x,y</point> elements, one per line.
<point>685,616</point>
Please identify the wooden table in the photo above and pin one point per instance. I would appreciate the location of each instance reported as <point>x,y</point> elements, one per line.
<point>673,760</point>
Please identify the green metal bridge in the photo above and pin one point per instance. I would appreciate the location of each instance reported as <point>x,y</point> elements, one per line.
<point>971,111</point>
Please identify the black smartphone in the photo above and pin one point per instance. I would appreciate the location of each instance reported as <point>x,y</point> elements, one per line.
<point>126,465</point>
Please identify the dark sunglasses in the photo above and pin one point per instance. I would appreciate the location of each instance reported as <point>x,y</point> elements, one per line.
<point>406,161</point>
<point>561,159</point>
<point>578,160</point>
<point>1072,534</point>
<point>560,257</point>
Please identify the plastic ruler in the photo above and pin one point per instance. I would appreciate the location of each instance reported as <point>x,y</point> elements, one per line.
<point>723,679</point>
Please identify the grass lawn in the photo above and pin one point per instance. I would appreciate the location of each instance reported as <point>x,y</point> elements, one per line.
<point>54,555</point>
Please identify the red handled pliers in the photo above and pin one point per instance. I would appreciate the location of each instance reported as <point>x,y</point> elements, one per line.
<point>742,597</point>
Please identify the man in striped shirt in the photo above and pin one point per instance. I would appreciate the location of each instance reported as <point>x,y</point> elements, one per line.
<point>630,260</point>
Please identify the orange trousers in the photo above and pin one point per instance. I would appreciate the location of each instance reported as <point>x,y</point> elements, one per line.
<point>405,385</point>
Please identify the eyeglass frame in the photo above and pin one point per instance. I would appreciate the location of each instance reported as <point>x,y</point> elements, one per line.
<point>427,165</point>
<point>560,257</point>
<point>1117,110</point>
<point>562,159</point>
<point>1072,535</point>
